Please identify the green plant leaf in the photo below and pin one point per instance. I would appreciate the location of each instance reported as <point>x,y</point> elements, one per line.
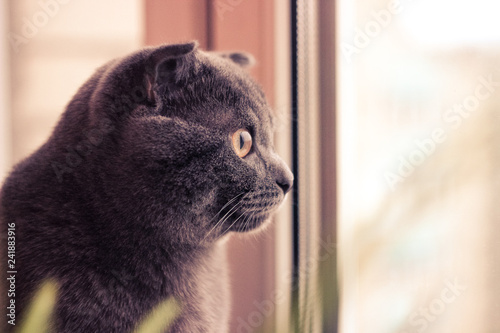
<point>160,318</point>
<point>39,312</point>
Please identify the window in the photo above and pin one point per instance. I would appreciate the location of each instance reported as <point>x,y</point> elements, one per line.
<point>418,161</point>
<point>315,300</point>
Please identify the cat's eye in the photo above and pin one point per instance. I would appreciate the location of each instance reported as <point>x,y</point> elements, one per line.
<point>242,142</point>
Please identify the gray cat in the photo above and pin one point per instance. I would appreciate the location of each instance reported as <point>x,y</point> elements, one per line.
<point>159,155</point>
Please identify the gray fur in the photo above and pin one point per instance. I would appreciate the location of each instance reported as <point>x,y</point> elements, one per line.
<point>121,205</point>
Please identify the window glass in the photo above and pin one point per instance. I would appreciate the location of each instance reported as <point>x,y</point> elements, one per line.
<point>419,85</point>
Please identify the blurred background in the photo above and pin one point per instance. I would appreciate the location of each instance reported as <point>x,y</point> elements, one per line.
<point>419,157</point>
<point>389,111</point>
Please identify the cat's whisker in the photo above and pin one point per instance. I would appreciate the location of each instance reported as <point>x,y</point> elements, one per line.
<point>226,205</point>
<point>221,219</point>
<point>245,220</point>
<point>232,210</point>
<point>228,214</point>
<point>250,217</point>
<point>242,214</point>
<point>243,225</point>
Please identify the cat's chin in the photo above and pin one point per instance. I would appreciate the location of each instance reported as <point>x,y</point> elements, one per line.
<point>253,222</point>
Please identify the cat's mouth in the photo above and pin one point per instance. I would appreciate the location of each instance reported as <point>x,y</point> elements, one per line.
<point>247,211</point>
<point>255,209</point>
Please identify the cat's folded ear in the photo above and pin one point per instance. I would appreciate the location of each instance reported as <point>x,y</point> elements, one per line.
<point>168,67</point>
<point>242,59</point>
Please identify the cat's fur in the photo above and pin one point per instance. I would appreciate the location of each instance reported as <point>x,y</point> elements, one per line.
<point>121,205</point>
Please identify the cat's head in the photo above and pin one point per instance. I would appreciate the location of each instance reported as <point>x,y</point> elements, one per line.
<point>192,151</point>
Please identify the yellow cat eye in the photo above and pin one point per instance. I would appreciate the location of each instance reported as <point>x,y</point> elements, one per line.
<point>242,142</point>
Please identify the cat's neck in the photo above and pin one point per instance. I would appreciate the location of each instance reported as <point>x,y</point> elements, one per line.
<point>164,269</point>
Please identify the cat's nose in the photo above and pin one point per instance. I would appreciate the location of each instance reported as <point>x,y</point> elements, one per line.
<point>281,173</point>
<point>285,186</point>
<point>285,179</point>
